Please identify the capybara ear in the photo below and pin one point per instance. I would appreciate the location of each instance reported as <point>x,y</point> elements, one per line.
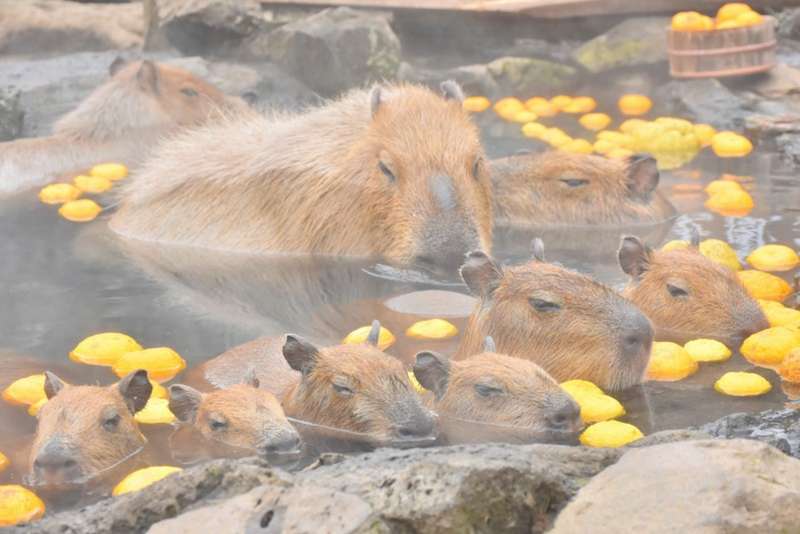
<point>375,99</point>
<point>148,76</point>
<point>634,256</point>
<point>481,274</point>
<point>537,249</point>
<point>135,389</point>
<point>432,371</point>
<point>300,354</point>
<point>374,333</point>
<point>116,65</point>
<point>452,91</point>
<point>251,379</point>
<point>642,175</point>
<point>184,401</point>
<point>52,384</point>
<point>489,344</point>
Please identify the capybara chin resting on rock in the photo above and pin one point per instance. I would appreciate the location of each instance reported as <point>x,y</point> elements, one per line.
<point>561,189</point>
<point>687,295</point>
<point>569,324</point>
<point>396,172</point>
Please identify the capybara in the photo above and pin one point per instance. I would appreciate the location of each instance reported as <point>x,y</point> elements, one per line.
<point>561,189</point>
<point>84,431</point>
<point>397,173</point>
<point>119,121</point>
<point>235,421</point>
<point>687,295</point>
<point>353,388</point>
<point>492,396</point>
<point>568,323</point>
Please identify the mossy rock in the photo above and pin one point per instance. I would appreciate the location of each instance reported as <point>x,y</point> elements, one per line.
<point>522,75</point>
<point>637,41</point>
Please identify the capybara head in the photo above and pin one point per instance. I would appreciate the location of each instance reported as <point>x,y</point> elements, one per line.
<point>560,188</point>
<point>568,323</point>
<point>85,430</point>
<point>355,388</point>
<point>235,421</point>
<point>687,295</point>
<point>492,396</point>
<point>435,196</point>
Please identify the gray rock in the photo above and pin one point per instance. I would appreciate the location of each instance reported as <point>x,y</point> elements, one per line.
<point>474,79</point>
<point>670,436</point>
<point>789,23</point>
<point>779,428</point>
<point>700,486</point>
<point>706,101</point>
<point>11,114</point>
<point>333,50</point>
<point>521,75</point>
<point>634,42</point>
<point>560,51</point>
<point>56,26</point>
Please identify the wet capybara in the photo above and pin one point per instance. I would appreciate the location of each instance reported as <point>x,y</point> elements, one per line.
<point>85,431</point>
<point>494,397</point>
<point>397,172</point>
<point>357,389</point>
<point>561,189</point>
<point>687,295</point>
<point>235,421</point>
<point>568,323</point>
<point>119,121</point>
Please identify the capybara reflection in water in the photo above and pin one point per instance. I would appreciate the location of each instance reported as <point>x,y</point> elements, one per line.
<point>235,421</point>
<point>568,323</point>
<point>397,172</point>
<point>85,431</point>
<point>353,388</point>
<point>560,189</point>
<point>494,397</point>
<point>119,121</point>
<point>687,295</point>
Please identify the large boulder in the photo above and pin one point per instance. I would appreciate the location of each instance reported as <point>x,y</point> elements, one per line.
<point>56,26</point>
<point>706,101</point>
<point>527,76</point>
<point>11,114</point>
<point>709,486</point>
<point>779,428</point>
<point>333,50</point>
<point>634,42</point>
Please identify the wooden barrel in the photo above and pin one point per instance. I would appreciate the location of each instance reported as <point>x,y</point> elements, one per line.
<point>718,53</point>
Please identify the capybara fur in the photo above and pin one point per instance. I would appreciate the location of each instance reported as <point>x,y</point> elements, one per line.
<point>687,295</point>
<point>491,397</point>
<point>119,121</point>
<point>85,431</point>
<point>562,189</point>
<point>235,421</point>
<point>568,323</point>
<point>396,172</point>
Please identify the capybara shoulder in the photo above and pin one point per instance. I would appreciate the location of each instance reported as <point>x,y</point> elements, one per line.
<point>568,323</point>
<point>83,431</point>
<point>687,295</point>
<point>396,172</point>
<point>561,188</point>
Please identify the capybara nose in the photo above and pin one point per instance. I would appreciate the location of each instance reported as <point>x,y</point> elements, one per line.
<point>289,442</point>
<point>637,335</point>
<point>565,418</point>
<point>56,459</point>
<point>421,427</point>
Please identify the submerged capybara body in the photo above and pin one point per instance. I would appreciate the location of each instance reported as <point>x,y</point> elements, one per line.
<point>120,121</point>
<point>569,324</point>
<point>85,431</point>
<point>561,189</point>
<point>492,396</point>
<point>687,295</point>
<point>397,173</point>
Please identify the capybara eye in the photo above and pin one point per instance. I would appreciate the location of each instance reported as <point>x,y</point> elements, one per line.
<point>217,423</point>
<point>546,306</point>
<point>111,423</point>
<point>485,390</point>
<point>188,91</point>
<point>385,170</point>
<point>676,291</point>
<point>574,182</point>
<point>342,390</point>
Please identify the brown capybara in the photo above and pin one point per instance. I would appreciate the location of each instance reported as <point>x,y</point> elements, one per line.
<point>85,431</point>
<point>397,173</point>
<point>494,397</point>
<point>562,189</point>
<point>688,296</point>
<point>357,389</point>
<point>568,323</point>
<point>119,121</point>
<point>235,421</point>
